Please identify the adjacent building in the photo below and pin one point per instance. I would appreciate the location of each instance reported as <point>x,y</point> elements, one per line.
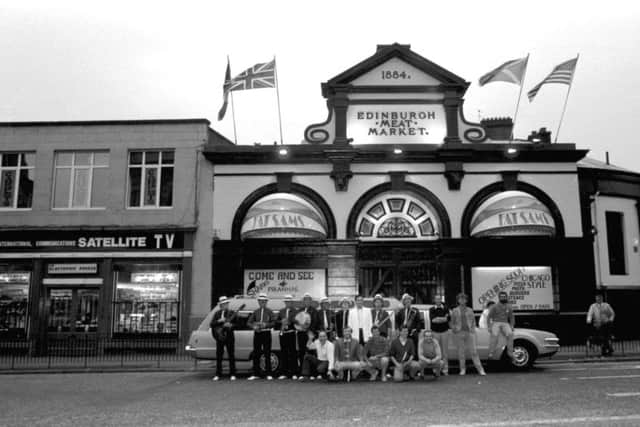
<point>101,228</point>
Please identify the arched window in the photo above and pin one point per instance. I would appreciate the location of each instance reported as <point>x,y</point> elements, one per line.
<point>283,215</point>
<point>398,215</point>
<point>512,213</point>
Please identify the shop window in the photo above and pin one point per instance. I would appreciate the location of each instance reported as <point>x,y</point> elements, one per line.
<point>14,303</point>
<point>81,179</point>
<point>512,213</point>
<point>73,309</point>
<point>397,215</point>
<point>16,180</point>
<point>283,215</point>
<point>147,299</point>
<point>150,179</point>
<point>615,242</point>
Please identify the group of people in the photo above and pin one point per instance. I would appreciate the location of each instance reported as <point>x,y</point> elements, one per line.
<point>318,343</point>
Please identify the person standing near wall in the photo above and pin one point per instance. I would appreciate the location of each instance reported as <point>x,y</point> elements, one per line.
<point>601,317</point>
<point>261,320</point>
<point>440,317</point>
<point>463,325</point>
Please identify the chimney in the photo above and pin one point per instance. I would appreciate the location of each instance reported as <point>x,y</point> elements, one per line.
<point>498,128</point>
<point>543,136</point>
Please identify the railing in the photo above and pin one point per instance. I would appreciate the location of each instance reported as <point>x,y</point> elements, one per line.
<point>89,351</point>
<point>593,349</point>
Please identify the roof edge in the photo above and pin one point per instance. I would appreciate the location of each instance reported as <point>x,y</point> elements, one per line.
<point>106,122</point>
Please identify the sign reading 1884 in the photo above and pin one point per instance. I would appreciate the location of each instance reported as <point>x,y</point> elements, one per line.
<point>395,75</point>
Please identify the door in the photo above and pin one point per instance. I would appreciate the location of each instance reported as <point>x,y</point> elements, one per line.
<point>73,310</point>
<point>420,279</point>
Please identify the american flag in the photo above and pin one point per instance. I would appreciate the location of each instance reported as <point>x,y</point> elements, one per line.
<point>257,77</point>
<point>562,73</point>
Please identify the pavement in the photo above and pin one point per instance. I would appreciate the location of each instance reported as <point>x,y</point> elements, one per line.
<point>576,394</point>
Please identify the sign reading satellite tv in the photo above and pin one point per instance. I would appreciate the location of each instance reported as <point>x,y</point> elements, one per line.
<point>529,288</point>
<point>281,282</point>
<point>396,124</point>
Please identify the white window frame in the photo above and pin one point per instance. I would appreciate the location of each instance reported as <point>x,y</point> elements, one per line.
<point>17,169</point>
<point>72,168</point>
<point>143,168</point>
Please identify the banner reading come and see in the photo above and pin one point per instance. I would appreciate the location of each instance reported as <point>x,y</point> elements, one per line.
<point>529,288</point>
<point>281,282</point>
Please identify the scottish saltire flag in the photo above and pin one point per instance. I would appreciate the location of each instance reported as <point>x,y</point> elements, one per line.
<point>225,90</point>
<point>562,73</point>
<point>510,72</point>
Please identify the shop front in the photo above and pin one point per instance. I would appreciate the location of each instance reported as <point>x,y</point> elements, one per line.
<point>56,284</point>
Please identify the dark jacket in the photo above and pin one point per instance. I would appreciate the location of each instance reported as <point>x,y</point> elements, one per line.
<point>354,351</point>
<point>269,318</point>
<point>415,320</point>
<point>384,326</point>
<point>331,318</point>
<point>443,311</point>
<point>313,313</point>
<point>217,322</point>
<point>292,318</point>
<point>402,353</point>
<point>342,318</point>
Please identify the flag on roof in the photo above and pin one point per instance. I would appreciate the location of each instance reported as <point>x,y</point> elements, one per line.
<point>510,72</point>
<point>257,77</point>
<point>225,89</point>
<point>562,73</point>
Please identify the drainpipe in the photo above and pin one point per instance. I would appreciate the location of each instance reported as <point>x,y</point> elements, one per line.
<point>596,240</point>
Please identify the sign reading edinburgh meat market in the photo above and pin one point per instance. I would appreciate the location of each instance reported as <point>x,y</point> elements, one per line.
<point>402,124</point>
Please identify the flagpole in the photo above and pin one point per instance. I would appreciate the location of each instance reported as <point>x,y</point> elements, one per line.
<point>275,73</point>
<point>566,99</point>
<point>233,113</point>
<point>515,115</point>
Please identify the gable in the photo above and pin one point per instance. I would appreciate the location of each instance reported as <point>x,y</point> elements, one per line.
<point>395,72</point>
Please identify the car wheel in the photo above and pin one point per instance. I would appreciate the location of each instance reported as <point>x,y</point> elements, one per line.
<point>524,355</point>
<point>275,363</point>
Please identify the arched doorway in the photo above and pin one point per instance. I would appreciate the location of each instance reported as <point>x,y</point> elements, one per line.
<point>399,233</point>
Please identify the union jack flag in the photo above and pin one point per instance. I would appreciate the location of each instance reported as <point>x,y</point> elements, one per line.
<point>257,77</point>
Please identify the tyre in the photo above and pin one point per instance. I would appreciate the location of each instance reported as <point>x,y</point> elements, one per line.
<point>524,355</point>
<point>275,363</point>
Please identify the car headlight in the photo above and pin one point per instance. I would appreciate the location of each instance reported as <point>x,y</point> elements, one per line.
<point>551,342</point>
<point>188,348</point>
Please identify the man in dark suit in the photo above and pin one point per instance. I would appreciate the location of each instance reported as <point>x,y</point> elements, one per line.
<point>380,316</point>
<point>310,313</point>
<point>261,320</point>
<point>326,319</point>
<point>289,359</point>
<point>411,318</point>
<point>342,316</point>
<point>222,330</point>
<point>348,355</point>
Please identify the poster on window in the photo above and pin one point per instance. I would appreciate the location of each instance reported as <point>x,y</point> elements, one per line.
<point>529,288</point>
<point>281,282</point>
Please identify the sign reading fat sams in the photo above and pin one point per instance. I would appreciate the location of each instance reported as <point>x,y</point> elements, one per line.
<point>277,283</point>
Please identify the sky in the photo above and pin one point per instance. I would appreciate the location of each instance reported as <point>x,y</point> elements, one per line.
<point>129,60</point>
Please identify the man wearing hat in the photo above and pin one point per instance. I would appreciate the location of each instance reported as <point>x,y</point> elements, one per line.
<point>360,321</point>
<point>342,316</point>
<point>310,314</point>
<point>380,316</point>
<point>326,319</point>
<point>289,359</point>
<point>261,320</point>
<point>222,330</point>
<point>411,318</point>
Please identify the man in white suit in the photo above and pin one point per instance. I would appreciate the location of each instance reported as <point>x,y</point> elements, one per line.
<point>360,321</point>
